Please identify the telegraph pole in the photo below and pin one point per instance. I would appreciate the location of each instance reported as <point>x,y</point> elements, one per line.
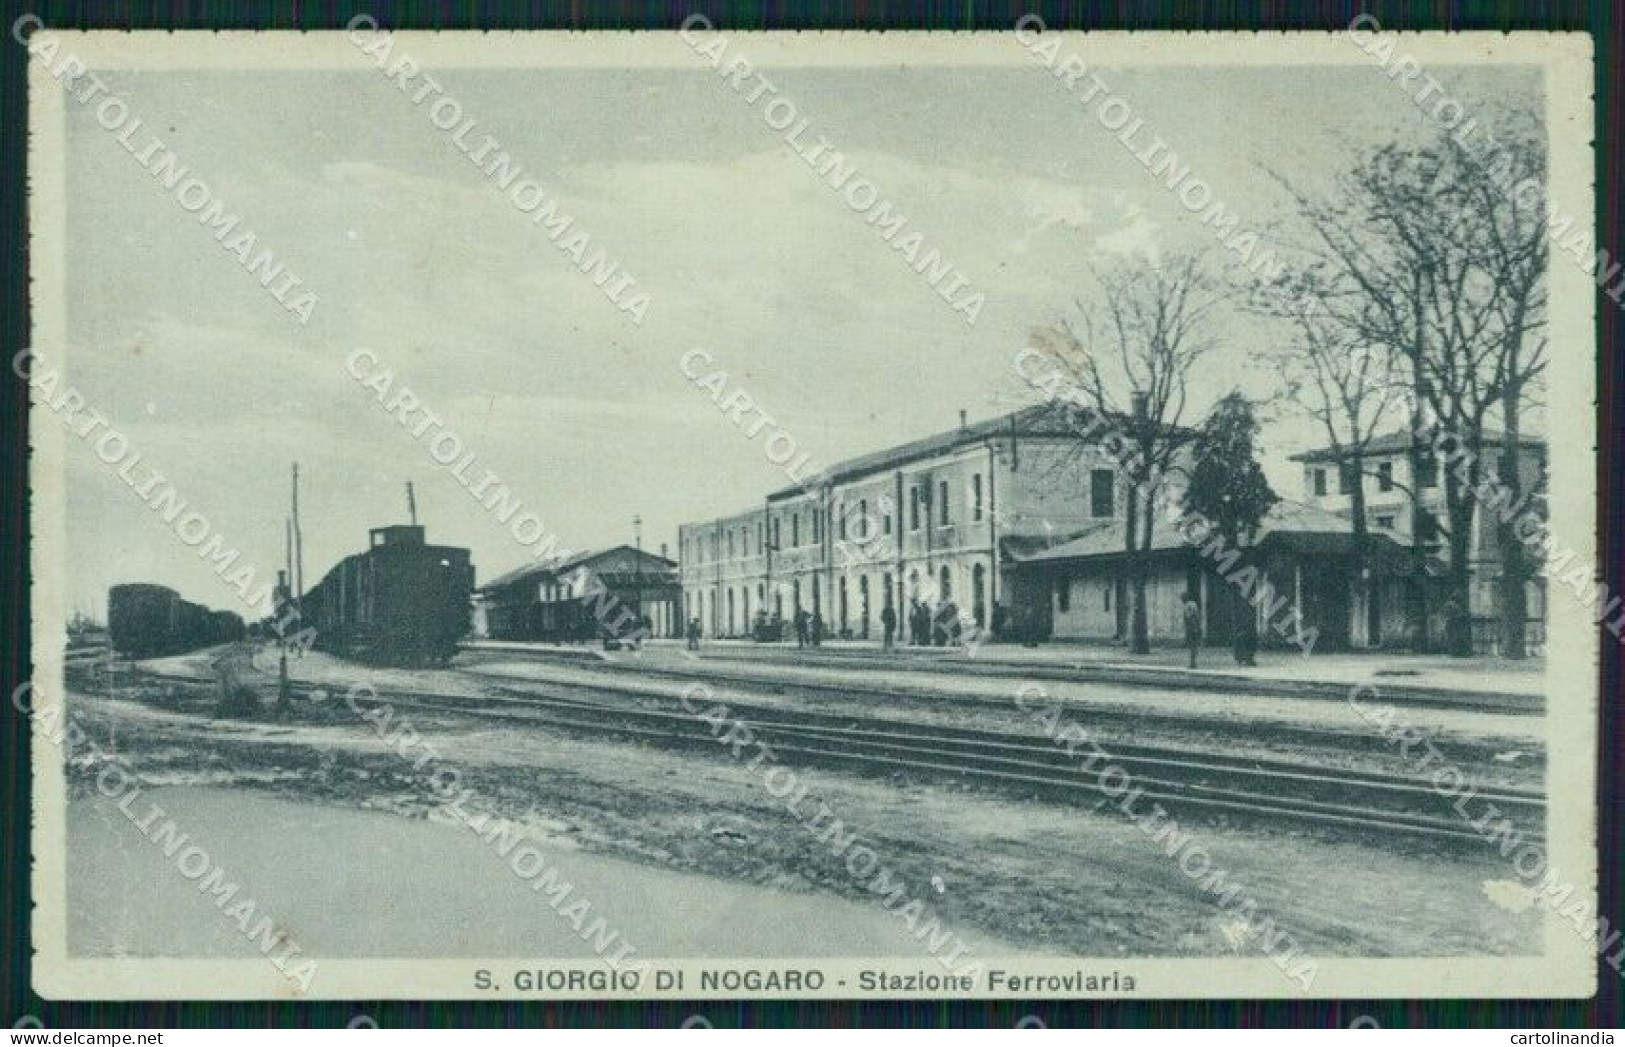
<point>279,619</point>
<point>637,544</point>
<point>298,547</point>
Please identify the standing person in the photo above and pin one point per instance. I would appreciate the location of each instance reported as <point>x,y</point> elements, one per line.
<point>693,634</point>
<point>817,629</point>
<point>888,625</point>
<point>1246,646</point>
<point>1193,624</point>
<point>801,628</point>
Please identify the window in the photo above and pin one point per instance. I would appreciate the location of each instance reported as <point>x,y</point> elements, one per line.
<point>1063,595</point>
<point>795,529</point>
<point>942,504</point>
<point>1383,522</point>
<point>1102,493</point>
<point>730,543</point>
<point>817,526</point>
<point>976,496</point>
<point>914,508</point>
<point>863,519</point>
<point>1385,476</point>
<point>1317,478</point>
<point>1106,595</point>
<point>1427,527</point>
<point>1428,467</point>
<point>886,516</point>
<point>776,544</point>
<point>842,514</point>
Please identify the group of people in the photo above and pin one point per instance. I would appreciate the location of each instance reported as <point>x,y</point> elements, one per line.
<point>809,628</point>
<point>926,628</point>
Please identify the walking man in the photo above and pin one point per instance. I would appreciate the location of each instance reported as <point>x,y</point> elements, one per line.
<point>693,634</point>
<point>888,625</point>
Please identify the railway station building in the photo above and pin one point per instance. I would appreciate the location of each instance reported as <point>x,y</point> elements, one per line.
<point>937,519</point>
<point>583,597</point>
<point>1018,523</point>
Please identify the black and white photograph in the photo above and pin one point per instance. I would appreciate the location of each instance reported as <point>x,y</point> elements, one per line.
<point>739,515</point>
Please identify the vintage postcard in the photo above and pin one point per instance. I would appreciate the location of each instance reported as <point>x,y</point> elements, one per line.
<point>709,514</point>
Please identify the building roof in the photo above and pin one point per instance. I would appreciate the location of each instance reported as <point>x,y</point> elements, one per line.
<point>1290,525</point>
<point>1400,440</point>
<point>1050,418</point>
<point>1022,546</point>
<point>530,571</point>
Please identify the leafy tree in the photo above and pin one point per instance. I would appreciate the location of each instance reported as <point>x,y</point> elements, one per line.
<point>1227,488</point>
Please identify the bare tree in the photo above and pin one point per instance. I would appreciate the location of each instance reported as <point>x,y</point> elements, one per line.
<point>1515,250</point>
<point>1439,255</point>
<point>1350,389</point>
<point>1130,351</point>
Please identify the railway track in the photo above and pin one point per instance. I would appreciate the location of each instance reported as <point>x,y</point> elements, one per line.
<point>1181,782</point>
<point>1361,740</point>
<point>1162,678</point>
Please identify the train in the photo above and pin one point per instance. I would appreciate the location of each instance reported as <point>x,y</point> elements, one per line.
<point>146,621</point>
<point>401,601</point>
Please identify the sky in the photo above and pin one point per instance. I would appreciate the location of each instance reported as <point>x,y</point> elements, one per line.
<point>744,251</point>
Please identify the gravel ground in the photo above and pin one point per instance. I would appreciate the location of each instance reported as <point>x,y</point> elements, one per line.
<point>1046,876</point>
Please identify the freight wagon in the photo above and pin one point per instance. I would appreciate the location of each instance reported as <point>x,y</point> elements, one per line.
<point>145,620</point>
<point>401,602</point>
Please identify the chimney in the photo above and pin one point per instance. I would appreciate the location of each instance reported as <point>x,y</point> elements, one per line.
<point>1141,405</point>
<point>962,423</point>
<point>663,555</point>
